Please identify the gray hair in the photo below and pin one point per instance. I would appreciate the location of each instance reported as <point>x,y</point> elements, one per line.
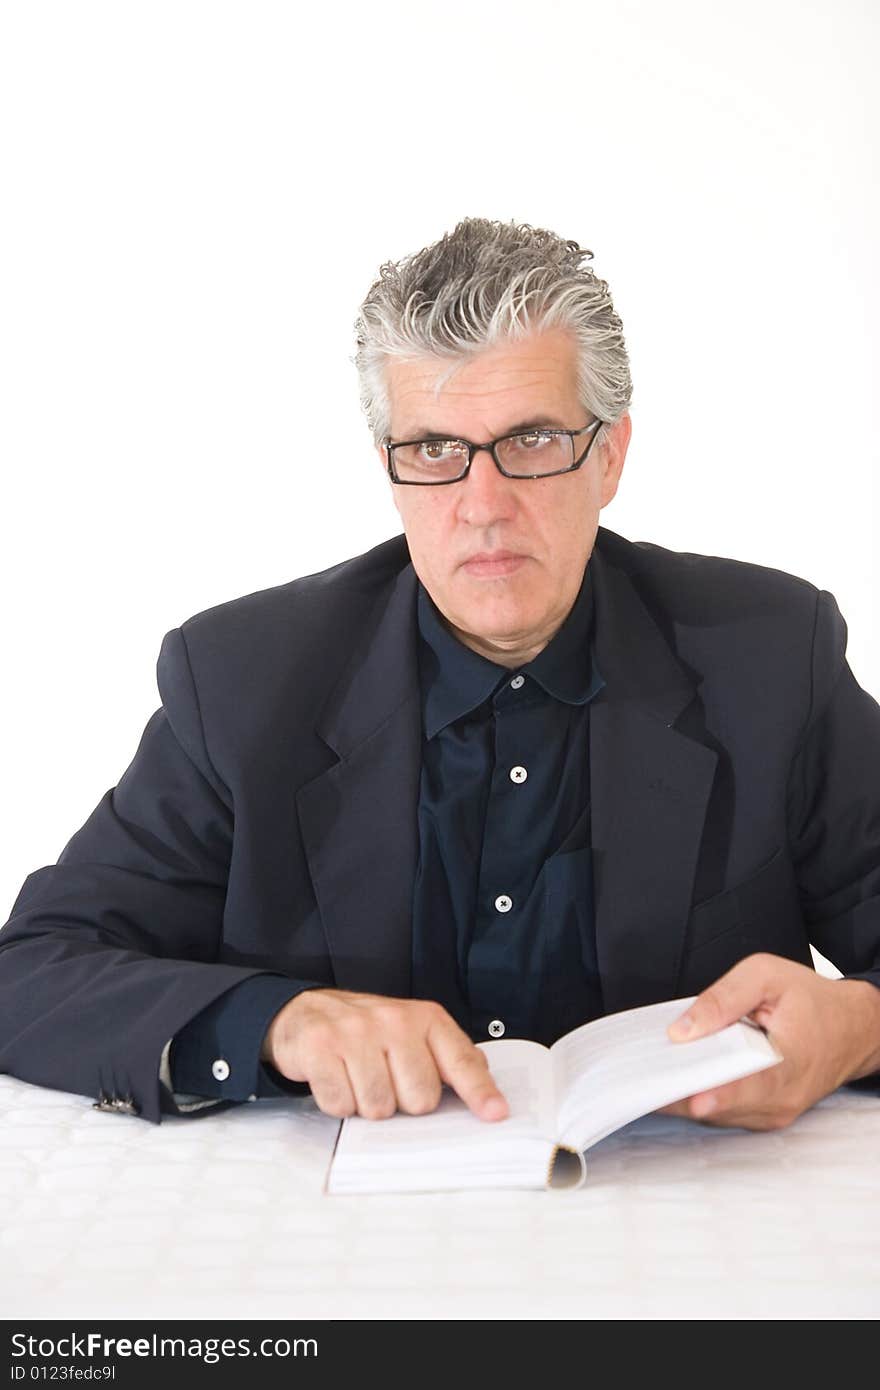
<point>484,283</point>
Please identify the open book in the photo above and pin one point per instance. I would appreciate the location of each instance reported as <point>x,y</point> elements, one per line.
<point>562,1100</point>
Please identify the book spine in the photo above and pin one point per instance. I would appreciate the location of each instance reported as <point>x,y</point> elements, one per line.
<point>548,1181</point>
<point>566,1179</point>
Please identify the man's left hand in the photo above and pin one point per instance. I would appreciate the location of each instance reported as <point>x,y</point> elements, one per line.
<point>828,1032</point>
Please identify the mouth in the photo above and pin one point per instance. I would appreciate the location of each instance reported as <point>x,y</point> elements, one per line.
<point>493,564</point>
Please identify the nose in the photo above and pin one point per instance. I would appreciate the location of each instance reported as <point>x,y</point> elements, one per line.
<point>486,495</point>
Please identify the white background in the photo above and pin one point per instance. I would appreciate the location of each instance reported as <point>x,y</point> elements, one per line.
<point>196,197</point>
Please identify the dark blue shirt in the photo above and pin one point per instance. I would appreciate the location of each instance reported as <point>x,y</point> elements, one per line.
<point>503,931</point>
<point>502,914</point>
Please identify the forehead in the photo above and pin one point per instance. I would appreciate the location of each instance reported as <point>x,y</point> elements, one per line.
<point>493,390</point>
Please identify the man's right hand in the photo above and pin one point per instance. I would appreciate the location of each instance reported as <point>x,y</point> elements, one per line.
<point>366,1054</point>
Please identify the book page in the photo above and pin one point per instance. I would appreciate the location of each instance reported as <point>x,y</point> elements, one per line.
<point>451,1147</point>
<point>617,1068</point>
<point>520,1070</point>
<point>523,1072</point>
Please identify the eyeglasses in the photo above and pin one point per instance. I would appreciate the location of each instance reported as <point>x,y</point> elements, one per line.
<point>535,453</point>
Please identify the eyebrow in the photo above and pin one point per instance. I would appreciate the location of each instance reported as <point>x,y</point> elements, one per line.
<point>538,422</point>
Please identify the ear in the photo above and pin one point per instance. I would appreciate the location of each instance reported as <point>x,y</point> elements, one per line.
<point>612,458</point>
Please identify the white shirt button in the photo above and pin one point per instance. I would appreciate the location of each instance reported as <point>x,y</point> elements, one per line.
<point>220,1069</point>
<point>518,774</point>
<point>496,1028</point>
<point>517,682</point>
<point>503,903</point>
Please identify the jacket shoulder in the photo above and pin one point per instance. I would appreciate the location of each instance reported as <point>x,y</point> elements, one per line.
<point>694,588</point>
<point>300,609</point>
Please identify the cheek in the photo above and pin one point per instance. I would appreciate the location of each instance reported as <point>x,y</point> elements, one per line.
<point>427,523</point>
<point>555,522</point>
<point>579,509</point>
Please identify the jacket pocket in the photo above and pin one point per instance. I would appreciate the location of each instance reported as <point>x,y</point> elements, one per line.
<point>763,913</point>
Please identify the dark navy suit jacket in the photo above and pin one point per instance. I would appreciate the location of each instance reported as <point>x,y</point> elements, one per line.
<point>268,820</point>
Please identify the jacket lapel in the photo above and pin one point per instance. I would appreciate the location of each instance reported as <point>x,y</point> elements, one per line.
<point>650,788</point>
<point>359,819</point>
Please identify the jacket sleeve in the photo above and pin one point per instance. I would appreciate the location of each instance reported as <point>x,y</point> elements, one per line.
<point>109,953</point>
<point>834,806</point>
<point>834,809</point>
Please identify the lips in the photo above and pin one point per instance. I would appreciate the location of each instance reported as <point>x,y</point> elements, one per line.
<point>493,564</point>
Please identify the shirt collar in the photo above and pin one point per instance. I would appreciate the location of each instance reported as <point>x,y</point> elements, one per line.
<point>455,680</point>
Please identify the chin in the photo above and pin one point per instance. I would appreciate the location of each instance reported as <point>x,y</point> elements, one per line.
<point>494,620</point>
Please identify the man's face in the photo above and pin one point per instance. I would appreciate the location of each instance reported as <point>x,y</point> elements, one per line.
<point>502,558</point>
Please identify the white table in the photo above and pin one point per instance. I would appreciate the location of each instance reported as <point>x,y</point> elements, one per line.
<point>109,1216</point>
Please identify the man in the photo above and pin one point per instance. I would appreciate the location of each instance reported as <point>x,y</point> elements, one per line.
<point>492,778</point>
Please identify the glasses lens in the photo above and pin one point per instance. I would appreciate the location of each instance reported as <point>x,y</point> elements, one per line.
<point>541,451</point>
<point>430,460</point>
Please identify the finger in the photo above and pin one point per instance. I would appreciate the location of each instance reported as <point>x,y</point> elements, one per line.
<point>696,1107</point>
<point>415,1077</point>
<point>679,1107</point>
<point>749,984</point>
<point>371,1082</point>
<point>331,1089</point>
<point>743,1096</point>
<point>466,1069</point>
<point>753,1102</point>
<point>691,1107</point>
<point>702,1105</point>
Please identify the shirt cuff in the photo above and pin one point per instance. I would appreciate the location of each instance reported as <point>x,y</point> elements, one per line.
<point>216,1056</point>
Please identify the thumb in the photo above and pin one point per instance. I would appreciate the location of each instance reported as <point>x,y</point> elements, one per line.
<point>743,989</point>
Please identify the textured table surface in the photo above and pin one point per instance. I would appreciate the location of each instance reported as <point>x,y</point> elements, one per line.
<point>224,1217</point>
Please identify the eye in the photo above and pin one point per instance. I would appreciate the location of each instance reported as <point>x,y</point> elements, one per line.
<point>532,442</point>
<point>435,450</point>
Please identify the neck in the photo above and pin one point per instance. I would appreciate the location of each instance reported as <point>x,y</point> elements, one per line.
<point>509,653</point>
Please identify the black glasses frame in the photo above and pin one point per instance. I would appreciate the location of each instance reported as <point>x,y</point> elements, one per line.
<point>491,446</point>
